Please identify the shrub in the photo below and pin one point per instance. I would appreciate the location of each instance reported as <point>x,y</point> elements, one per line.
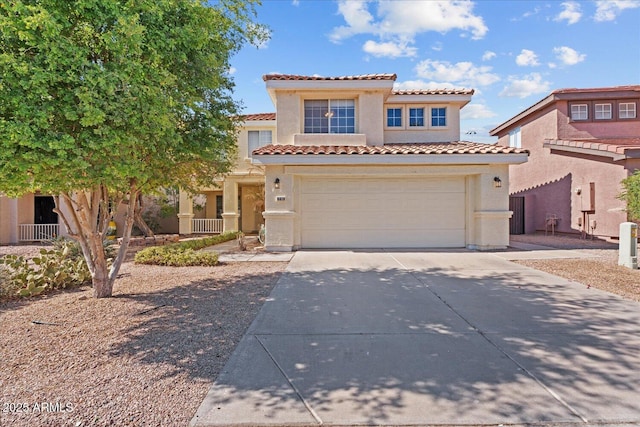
<point>631,195</point>
<point>60,267</point>
<point>185,253</point>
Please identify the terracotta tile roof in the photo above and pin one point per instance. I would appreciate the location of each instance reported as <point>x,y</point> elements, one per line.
<point>598,89</point>
<point>614,146</point>
<point>433,92</point>
<point>259,116</point>
<point>356,77</point>
<point>459,147</point>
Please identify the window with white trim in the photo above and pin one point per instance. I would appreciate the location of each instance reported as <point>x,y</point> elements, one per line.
<point>416,117</point>
<point>439,117</point>
<point>394,117</point>
<point>515,138</point>
<point>579,112</point>
<point>259,138</point>
<point>329,116</point>
<point>603,112</point>
<point>627,110</point>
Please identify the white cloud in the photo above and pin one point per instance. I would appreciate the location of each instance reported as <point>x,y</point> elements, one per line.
<point>568,56</point>
<point>571,12</point>
<point>399,21</point>
<point>232,71</point>
<point>524,86</point>
<point>357,17</point>
<point>421,84</point>
<point>295,2</point>
<point>437,46</point>
<point>389,49</point>
<point>527,58</point>
<point>476,111</point>
<point>461,73</point>
<point>608,10</point>
<point>488,55</point>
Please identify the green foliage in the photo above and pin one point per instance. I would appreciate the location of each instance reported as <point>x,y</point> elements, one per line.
<point>631,195</point>
<point>184,253</point>
<point>104,97</point>
<point>103,91</point>
<point>60,267</point>
<point>175,257</point>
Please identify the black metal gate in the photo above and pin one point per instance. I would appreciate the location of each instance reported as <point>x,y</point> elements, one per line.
<point>516,222</point>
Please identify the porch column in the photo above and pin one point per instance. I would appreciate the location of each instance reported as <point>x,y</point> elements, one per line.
<point>185,215</point>
<point>230,214</point>
<point>14,236</point>
<point>491,215</point>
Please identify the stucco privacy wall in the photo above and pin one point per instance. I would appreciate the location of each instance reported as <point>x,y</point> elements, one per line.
<point>486,211</point>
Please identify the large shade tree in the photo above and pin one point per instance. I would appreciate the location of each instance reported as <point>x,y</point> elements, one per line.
<point>102,100</point>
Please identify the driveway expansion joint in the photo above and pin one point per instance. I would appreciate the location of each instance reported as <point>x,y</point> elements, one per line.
<point>290,382</point>
<point>484,336</point>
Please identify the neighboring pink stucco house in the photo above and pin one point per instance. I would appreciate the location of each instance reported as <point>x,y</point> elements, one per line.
<point>582,143</point>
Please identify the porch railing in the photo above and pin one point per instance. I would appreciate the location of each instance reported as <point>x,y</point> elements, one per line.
<point>38,232</point>
<point>206,226</point>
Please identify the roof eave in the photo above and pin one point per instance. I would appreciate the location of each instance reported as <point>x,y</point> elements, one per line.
<point>513,120</point>
<point>389,159</point>
<point>616,157</point>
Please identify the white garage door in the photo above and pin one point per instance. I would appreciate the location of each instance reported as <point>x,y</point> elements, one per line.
<point>382,213</point>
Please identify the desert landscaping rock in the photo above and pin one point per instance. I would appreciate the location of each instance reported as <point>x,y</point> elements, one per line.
<point>144,357</point>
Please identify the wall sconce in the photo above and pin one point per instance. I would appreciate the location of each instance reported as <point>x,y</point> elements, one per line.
<point>497,182</point>
<point>276,183</point>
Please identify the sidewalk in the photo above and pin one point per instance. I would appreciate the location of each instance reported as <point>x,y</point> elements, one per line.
<point>229,252</point>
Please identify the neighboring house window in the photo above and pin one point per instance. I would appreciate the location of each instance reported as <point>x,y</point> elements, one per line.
<point>394,117</point>
<point>329,116</point>
<point>579,112</point>
<point>515,138</point>
<point>416,117</point>
<point>627,110</point>
<point>258,138</point>
<point>603,112</point>
<point>438,117</point>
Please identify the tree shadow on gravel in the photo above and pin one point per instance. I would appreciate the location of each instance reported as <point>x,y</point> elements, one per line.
<point>192,327</point>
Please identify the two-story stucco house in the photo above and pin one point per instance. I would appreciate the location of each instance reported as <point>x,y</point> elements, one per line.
<point>582,144</point>
<point>349,162</point>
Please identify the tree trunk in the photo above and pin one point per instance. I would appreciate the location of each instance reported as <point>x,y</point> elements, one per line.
<point>80,217</point>
<point>139,221</point>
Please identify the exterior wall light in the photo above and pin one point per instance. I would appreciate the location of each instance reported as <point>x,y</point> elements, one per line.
<point>497,182</point>
<point>276,183</point>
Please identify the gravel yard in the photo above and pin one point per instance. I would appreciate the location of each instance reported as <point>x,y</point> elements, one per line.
<point>602,271</point>
<point>145,357</point>
<point>148,355</point>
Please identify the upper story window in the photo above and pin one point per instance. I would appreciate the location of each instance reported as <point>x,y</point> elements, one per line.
<point>439,117</point>
<point>603,112</point>
<point>579,112</point>
<point>515,138</point>
<point>329,116</point>
<point>259,138</point>
<point>394,117</point>
<point>416,117</point>
<point>627,110</point>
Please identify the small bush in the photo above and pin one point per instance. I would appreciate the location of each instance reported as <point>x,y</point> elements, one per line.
<point>60,267</point>
<point>185,253</point>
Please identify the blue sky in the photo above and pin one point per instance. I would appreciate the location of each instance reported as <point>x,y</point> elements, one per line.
<point>513,53</point>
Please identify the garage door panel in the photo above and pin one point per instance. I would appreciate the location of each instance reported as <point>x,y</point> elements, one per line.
<point>357,212</point>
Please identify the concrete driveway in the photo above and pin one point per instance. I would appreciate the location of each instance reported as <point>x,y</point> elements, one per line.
<point>428,338</point>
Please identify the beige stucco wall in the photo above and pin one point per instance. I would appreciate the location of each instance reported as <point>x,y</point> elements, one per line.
<point>427,134</point>
<point>243,163</point>
<point>290,110</point>
<point>487,206</point>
